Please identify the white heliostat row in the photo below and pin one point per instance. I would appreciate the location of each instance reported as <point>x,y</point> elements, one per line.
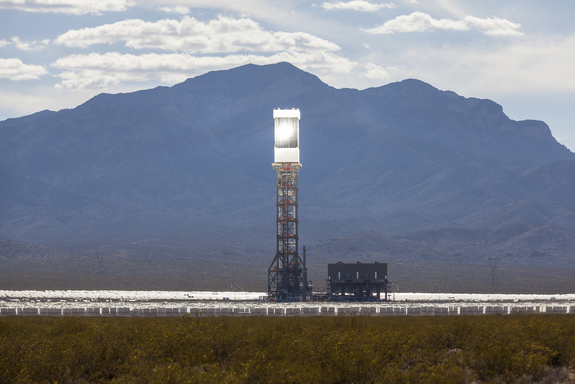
<point>286,135</point>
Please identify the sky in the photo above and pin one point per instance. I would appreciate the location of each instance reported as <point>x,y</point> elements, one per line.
<point>57,54</point>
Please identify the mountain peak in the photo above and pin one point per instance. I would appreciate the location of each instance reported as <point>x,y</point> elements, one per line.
<point>203,148</point>
<point>414,84</point>
<point>252,76</point>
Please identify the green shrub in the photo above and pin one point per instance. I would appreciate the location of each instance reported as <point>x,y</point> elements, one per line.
<point>355,349</point>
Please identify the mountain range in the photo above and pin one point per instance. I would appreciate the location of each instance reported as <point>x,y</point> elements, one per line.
<point>445,178</point>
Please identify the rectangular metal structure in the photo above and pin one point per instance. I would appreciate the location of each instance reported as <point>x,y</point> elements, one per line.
<point>357,280</point>
<point>286,135</point>
<point>357,271</point>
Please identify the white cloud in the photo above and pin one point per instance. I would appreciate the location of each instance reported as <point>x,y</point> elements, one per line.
<point>77,7</point>
<point>3,43</point>
<point>15,69</point>
<point>105,70</point>
<point>181,9</point>
<point>29,46</point>
<point>533,66</point>
<point>221,35</point>
<point>419,22</point>
<point>358,5</point>
<point>373,71</point>
<point>495,26</point>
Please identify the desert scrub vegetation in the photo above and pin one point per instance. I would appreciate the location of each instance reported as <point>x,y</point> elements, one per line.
<point>354,349</point>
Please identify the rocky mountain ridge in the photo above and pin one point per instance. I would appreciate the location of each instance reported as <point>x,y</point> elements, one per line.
<point>192,162</point>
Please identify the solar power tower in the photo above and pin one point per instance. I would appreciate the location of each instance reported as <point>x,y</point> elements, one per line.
<point>287,274</point>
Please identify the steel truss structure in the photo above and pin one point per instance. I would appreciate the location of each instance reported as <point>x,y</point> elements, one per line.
<point>287,274</point>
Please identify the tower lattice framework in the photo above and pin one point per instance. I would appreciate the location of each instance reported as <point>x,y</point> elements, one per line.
<point>287,274</point>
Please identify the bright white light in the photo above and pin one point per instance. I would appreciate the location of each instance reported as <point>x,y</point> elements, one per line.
<point>286,132</point>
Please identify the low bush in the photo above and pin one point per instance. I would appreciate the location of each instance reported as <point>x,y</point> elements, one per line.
<point>355,349</point>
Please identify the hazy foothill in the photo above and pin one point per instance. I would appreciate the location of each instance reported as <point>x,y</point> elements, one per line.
<point>172,188</point>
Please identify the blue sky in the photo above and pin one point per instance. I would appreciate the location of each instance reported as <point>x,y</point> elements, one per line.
<point>57,54</point>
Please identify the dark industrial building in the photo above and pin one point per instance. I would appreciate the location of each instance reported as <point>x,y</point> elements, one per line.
<point>357,281</point>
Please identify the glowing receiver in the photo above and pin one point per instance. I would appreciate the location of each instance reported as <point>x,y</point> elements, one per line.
<point>286,135</point>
